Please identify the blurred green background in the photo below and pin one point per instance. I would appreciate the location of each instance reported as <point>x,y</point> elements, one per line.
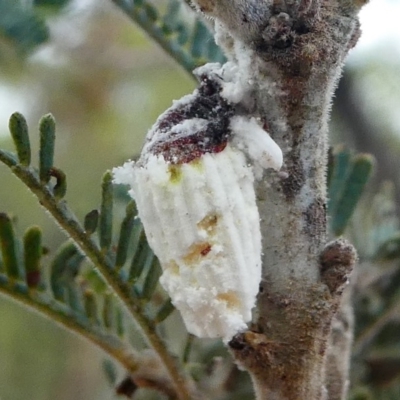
<point>106,82</point>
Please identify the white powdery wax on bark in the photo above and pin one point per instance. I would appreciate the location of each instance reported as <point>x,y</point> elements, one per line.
<point>194,190</point>
<point>263,151</point>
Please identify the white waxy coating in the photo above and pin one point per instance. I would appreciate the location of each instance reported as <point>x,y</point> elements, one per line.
<point>202,221</point>
<point>248,136</point>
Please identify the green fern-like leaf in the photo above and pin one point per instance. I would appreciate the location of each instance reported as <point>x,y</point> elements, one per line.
<point>54,5</point>
<point>73,299</point>
<point>375,226</point>
<point>128,259</point>
<point>24,280</point>
<point>110,371</point>
<point>9,248</point>
<point>33,252</point>
<point>179,31</point>
<point>348,176</point>
<point>21,26</point>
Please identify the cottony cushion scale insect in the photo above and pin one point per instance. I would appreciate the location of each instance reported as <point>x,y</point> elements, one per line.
<point>194,189</point>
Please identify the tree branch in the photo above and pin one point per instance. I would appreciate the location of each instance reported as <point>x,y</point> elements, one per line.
<point>339,349</point>
<point>290,55</point>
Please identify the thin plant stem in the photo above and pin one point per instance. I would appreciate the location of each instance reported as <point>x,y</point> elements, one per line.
<point>171,47</point>
<point>66,219</point>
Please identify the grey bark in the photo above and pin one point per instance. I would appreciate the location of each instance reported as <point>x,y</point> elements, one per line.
<point>296,50</point>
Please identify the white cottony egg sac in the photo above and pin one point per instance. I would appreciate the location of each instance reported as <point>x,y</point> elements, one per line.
<point>201,220</point>
<point>194,189</point>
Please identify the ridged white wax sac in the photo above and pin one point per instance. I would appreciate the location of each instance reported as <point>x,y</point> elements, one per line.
<point>202,221</point>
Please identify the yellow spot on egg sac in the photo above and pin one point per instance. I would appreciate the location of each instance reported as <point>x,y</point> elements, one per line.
<point>175,173</point>
<point>208,223</point>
